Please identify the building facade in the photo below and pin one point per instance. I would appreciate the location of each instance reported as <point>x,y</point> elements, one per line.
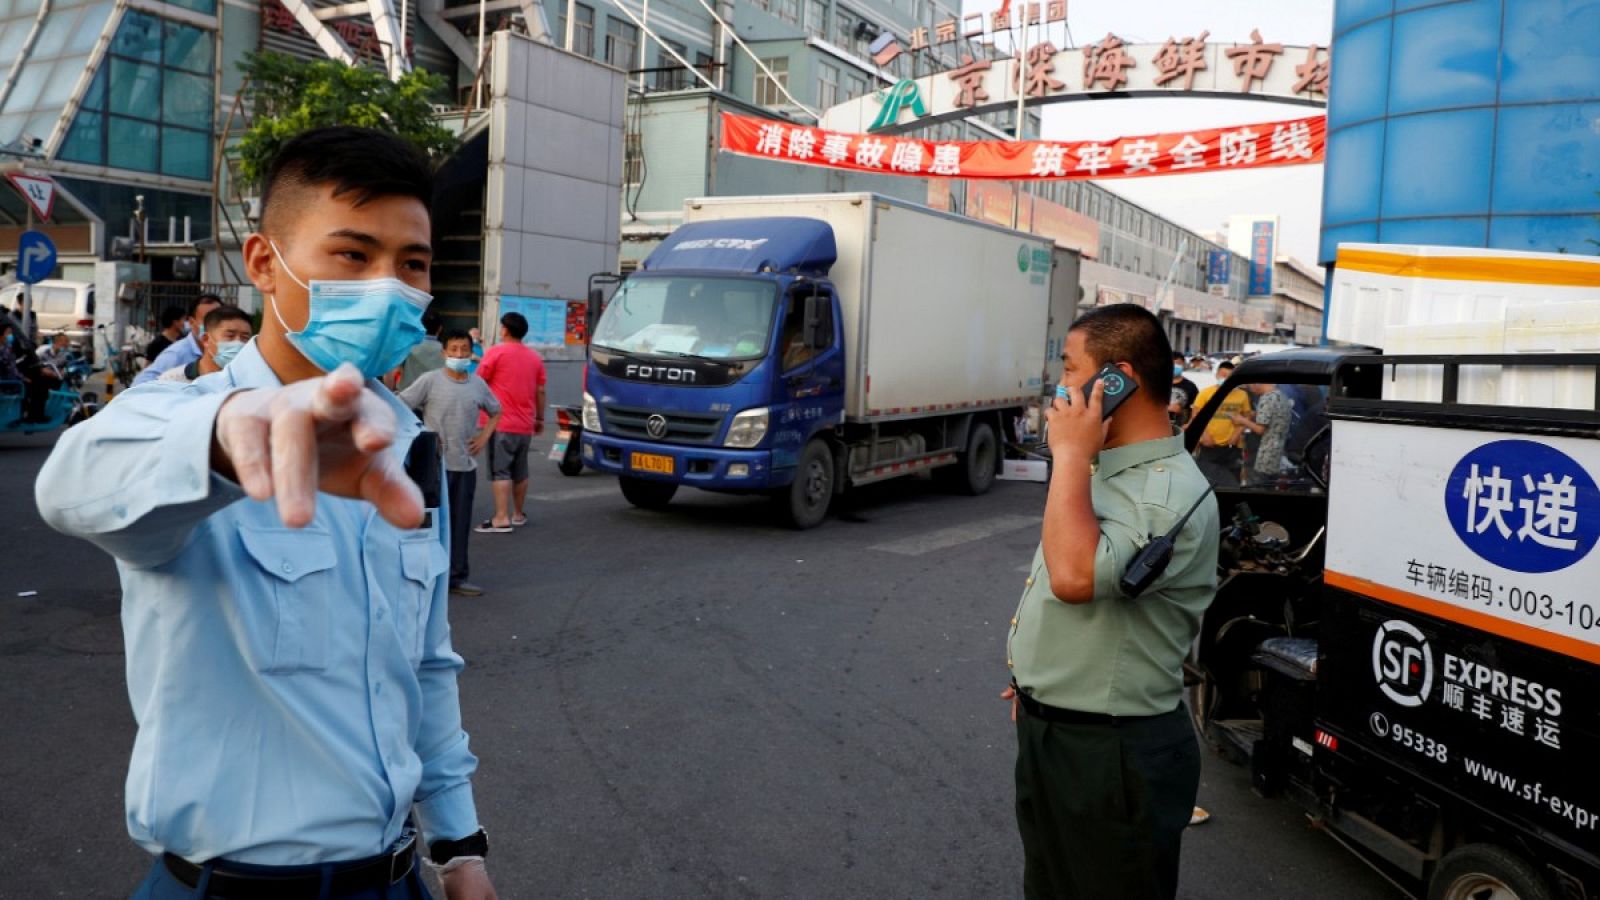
<point>1466,123</point>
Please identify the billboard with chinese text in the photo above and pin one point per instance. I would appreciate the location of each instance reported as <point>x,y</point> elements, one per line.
<point>1263,248</point>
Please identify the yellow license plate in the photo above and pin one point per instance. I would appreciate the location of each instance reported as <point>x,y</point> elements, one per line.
<point>650,462</point>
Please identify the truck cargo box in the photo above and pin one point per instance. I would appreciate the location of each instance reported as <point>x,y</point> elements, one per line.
<point>941,313</point>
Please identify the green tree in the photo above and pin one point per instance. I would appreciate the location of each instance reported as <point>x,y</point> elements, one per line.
<point>289,96</point>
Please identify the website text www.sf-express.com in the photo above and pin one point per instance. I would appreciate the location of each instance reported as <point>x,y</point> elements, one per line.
<point>1533,793</point>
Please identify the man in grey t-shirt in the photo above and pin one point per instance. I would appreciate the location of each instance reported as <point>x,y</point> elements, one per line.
<point>450,401</point>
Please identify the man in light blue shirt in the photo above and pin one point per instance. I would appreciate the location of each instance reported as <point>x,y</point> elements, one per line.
<point>284,586</point>
<point>186,350</point>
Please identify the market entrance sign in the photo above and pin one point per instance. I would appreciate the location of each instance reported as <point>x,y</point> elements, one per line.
<point>1180,67</point>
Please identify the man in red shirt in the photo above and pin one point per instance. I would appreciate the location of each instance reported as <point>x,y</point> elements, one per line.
<point>515,374</point>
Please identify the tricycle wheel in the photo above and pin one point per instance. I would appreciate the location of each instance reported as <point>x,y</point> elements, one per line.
<point>1486,872</point>
<point>571,461</point>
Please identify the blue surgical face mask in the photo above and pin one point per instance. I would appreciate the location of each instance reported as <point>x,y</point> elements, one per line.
<point>1177,369</point>
<point>457,364</point>
<point>11,339</point>
<point>371,324</point>
<point>226,351</point>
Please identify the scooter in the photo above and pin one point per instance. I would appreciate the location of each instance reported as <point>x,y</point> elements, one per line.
<point>566,450</point>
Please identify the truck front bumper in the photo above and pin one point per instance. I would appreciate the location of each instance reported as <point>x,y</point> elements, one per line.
<point>710,468</point>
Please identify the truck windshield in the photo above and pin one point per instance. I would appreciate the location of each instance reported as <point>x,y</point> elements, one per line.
<point>713,317</point>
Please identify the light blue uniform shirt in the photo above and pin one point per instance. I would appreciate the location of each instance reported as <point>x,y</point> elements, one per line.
<point>295,690</point>
<point>178,354</point>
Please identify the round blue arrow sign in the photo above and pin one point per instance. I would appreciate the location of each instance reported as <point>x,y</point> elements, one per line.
<point>36,257</point>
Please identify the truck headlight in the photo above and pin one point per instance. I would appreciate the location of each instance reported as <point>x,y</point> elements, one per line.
<point>748,428</point>
<point>591,414</point>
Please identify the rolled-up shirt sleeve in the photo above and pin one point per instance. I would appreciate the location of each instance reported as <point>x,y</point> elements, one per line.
<point>135,479</point>
<point>1120,542</point>
<point>445,807</point>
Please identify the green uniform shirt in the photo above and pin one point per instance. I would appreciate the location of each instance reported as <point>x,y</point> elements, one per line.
<point>1118,655</point>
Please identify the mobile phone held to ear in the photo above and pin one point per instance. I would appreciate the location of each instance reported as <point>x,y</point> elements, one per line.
<point>1119,387</point>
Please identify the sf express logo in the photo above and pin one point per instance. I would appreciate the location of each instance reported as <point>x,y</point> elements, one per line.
<point>1402,663</point>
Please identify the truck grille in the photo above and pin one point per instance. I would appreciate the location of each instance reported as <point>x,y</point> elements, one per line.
<point>631,422</point>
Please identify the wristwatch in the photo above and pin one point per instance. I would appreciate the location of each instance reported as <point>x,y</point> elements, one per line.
<point>474,844</point>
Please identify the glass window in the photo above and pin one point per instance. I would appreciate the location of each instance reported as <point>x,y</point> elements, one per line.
<point>202,6</point>
<point>86,141</point>
<point>185,153</point>
<point>622,43</point>
<point>817,17</point>
<point>135,89</point>
<point>767,89</point>
<point>52,38</point>
<point>133,144</point>
<point>844,25</point>
<point>827,85</point>
<point>789,11</point>
<point>95,96</point>
<point>11,39</point>
<point>25,93</point>
<point>187,48</point>
<point>139,38</point>
<point>582,29</point>
<point>675,78</point>
<point>84,36</point>
<point>186,100</point>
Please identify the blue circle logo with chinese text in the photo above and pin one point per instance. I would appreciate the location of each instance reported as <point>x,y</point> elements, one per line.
<point>1524,506</point>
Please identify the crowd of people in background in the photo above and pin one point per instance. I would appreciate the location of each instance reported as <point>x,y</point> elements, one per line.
<point>1258,435</point>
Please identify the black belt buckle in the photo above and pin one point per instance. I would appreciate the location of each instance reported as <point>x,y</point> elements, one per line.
<point>402,852</point>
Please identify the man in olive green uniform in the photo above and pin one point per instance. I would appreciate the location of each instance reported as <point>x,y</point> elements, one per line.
<point>1107,761</point>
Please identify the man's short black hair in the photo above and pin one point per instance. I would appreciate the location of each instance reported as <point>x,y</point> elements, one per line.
<point>364,162</point>
<point>171,315</point>
<point>201,300</point>
<point>454,334</point>
<point>431,321</point>
<point>225,313</point>
<point>1127,333</point>
<point>515,324</point>
<point>1225,364</point>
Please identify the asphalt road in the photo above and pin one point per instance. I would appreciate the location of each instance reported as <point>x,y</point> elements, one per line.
<point>686,704</point>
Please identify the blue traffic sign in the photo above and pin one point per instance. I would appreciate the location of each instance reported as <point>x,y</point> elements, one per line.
<point>36,257</point>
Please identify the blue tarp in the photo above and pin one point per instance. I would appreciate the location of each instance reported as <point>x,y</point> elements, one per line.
<point>778,244</point>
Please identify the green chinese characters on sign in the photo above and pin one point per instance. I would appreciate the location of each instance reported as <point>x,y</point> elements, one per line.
<point>904,94</point>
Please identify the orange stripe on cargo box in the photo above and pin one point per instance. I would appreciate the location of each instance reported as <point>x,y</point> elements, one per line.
<point>1516,631</point>
<point>1557,272</point>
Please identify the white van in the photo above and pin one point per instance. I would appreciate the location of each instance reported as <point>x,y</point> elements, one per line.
<point>59,306</point>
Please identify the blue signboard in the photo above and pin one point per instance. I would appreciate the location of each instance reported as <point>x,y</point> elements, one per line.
<point>547,319</point>
<point>1524,506</point>
<point>1261,252</point>
<point>1217,267</point>
<point>36,257</point>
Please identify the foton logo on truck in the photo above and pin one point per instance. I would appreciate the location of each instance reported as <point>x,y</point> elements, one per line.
<point>660,373</point>
<point>1402,663</point>
<point>1523,505</point>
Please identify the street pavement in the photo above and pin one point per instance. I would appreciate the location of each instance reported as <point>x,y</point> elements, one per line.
<point>691,703</point>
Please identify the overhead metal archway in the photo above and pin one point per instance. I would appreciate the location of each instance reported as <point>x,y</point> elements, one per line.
<point>1296,75</point>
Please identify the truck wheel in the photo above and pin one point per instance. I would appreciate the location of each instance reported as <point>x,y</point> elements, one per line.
<point>978,463</point>
<point>1486,872</point>
<point>804,503</point>
<point>647,494</point>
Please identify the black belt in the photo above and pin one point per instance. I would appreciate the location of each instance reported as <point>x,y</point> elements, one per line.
<point>377,872</point>
<point>1064,716</point>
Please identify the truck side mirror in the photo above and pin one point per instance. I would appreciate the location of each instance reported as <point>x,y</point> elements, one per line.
<point>596,298</point>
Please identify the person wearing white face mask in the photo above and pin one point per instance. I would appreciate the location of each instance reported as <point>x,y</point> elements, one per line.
<point>284,579</point>
<point>223,333</point>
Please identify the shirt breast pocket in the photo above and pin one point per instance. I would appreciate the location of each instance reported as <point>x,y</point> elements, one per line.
<point>288,610</point>
<point>422,561</point>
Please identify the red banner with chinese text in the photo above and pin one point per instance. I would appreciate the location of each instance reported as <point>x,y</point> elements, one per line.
<point>1288,143</point>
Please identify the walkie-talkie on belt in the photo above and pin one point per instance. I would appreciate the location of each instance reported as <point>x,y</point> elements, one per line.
<point>422,465</point>
<point>1150,562</point>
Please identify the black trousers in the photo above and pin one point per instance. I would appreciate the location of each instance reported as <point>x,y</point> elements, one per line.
<point>462,486</point>
<point>1102,808</point>
<point>1220,465</point>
